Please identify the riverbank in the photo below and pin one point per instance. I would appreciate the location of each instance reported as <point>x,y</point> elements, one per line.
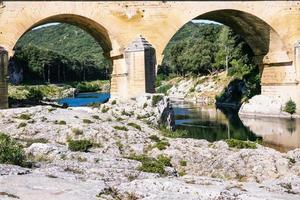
<point>128,158</point>
<point>28,95</point>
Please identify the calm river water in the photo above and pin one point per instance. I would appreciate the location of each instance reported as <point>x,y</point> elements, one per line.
<point>204,122</point>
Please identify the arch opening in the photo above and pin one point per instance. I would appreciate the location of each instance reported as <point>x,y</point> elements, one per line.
<point>65,55</point>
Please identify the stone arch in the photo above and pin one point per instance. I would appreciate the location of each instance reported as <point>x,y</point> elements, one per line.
<point>265,42</point>
<point>96,30</point>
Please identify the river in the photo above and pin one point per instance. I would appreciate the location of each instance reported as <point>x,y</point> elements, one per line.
<point>212,124</point>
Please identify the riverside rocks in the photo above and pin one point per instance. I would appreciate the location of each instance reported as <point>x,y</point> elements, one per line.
<point>200,169</point>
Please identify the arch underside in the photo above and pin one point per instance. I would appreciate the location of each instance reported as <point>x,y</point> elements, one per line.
<point>260,36</point>
<point>93,28</point>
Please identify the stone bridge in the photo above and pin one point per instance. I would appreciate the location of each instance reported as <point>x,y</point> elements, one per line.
<point>272,29</point>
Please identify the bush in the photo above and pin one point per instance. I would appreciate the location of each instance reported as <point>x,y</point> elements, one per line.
<point>10,151</point>
<point>77,131</point>
<point>165,160</point>
<point>104,109</point>
<point>121,128</point>
<point>162,145</point>
<point>164,88</point>
<point>87,121</point>
<point>156,99</point>
<point>154,138</point>
<point>113,102</point>
<point>25,117</point>
<point>22,124</point>
<point>239,144</point>
<point>88,87</point>
<point>95,117</point>
<point>61,122</point>
<point>79,145</point>
<point>182,162</point>
<point>173,134</point>
<point>35,94</point>
<point>290,107</point>
<point>134,125</point>
<point>149,164</point>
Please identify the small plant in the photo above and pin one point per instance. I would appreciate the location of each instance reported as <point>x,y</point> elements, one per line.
<point>113,102</point>
<point>164,88</point>
<point>22,124</point>
<point>149,164</point>
<point>77,131</point>
<point>121,128</point>
<point>182,163</point>
<point>51,109</point>
<point>79,145</point>
<point>104,109</point>
<point>145,105</point>
<point>62,122</point>
<point>127,113</point>
<point>119,145</point>
<point>165,160</point>
<point>162,145</point>
<point>156,99</point>
<point>290,107</point>
<point>173,134</point>
<point>87,121</point>
<point>154,138</point>
<point>25,117</point>
<point>134,125</point>
<point>239,144</point>
<point>181,173</point>
<point>192,89</point>
<point>10,151</point>
<point>95,117</point>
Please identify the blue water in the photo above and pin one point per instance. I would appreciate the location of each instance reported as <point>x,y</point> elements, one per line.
<point>84,99</point>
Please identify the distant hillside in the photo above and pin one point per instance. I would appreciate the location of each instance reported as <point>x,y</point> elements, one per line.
<point>67,40</point>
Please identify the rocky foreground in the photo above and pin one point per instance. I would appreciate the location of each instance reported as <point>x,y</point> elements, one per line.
<point>120,132</point>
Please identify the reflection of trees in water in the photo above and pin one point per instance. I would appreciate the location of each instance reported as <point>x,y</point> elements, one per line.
<point>291,125</point>
<point>212,130</point>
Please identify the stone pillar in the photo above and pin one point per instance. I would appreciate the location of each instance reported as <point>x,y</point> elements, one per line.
<point>3,78</point>
<point>140,61</point>
<point>119,78</point>
<point>297,59</point>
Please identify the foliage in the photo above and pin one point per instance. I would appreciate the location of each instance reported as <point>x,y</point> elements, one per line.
<point>239,144</point>
<point>154,138</point>
<point>165,160</point>
<point>25,116</point>
<point>290,107</point>
<point>199,49</point>
<point>172,134</point>
<point>182,162</point>
<point>161,145</point>
<point>164,88</point>
<point>156,99</point>
<point>79,145</point>
<point>150,164</point>
<point>58,53</point>
<point>134,125</point>
<point>10,151</point>
<point>121,128</point>
<point>87,121</point>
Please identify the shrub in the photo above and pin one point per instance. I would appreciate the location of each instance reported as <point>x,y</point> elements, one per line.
<point>121,128</point>
<point>79,145</point>
<point>77,131</point>
<point>51,109</point>
<point>165,160</point>
<point>162,145</point>
<point>34,94</point>
<point>192,89</point>
<point>172,134</point>
<point>127,113</point>
<point>25,117</point>
<point>182,162</point>
<point>149,164</point>
<point>290,107</point>
<point>156,99</point>
<point>154,138</point>
<point>134,125</point>
<point>87,121</point>
<point>164,88</point>
<point>22,124</point>
<point>95,117</point>
<point>239,144</point>
<point>113,102</point>
<point>104,109</point>
<point>145,105</point>
<point>61,122</point>
<point>10,151</point>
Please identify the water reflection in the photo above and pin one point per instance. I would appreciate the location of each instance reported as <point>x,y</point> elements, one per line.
<point>282,134</point>
<point>203,122</point>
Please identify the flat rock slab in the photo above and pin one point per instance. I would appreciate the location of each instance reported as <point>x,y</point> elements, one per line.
<point>33,187</point>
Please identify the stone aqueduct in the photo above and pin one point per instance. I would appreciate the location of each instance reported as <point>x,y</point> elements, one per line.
<point>272,29</point>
